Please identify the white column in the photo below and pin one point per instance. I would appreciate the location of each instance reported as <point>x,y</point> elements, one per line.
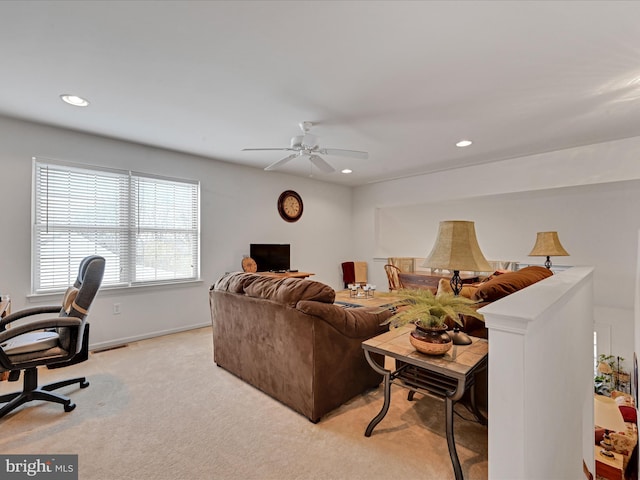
<point>540,379</point>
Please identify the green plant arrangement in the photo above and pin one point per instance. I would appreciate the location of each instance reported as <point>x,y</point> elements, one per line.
<point>428,310</point>
<point>610,375</point>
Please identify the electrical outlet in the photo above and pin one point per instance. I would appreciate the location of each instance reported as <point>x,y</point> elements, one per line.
<point>116,309</point>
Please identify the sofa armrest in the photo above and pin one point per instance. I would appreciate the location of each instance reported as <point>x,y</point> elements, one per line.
<point>361,322</point>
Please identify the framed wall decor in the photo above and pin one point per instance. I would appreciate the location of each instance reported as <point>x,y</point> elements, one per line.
<point>290,206</point>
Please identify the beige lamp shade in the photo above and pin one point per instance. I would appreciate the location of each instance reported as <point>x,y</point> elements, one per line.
<point>606,414</point>
<point>548,245</point>
<point>457,248</point>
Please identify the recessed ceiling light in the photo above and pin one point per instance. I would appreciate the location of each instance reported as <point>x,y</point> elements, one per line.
<point>74,100</point>
<point>347,170</point>
<point>464,143</point>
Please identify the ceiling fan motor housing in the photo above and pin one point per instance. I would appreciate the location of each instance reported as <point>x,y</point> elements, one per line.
<point>304,142</point>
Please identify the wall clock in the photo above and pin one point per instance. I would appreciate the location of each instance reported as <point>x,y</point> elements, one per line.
<point>290,206</point>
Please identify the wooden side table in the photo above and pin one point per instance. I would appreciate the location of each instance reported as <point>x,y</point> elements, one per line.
<point>608,467</point>
<point>447,376</point>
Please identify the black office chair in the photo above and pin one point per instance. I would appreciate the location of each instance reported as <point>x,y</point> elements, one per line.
<point>53,342</point>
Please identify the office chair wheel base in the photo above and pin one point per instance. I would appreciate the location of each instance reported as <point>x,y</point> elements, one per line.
<point>68,408</point>
<point>84,384</point>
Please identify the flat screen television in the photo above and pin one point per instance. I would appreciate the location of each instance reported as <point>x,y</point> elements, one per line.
<point>271,256</point>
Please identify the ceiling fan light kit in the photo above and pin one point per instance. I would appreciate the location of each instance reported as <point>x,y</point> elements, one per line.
<point>307,144</point>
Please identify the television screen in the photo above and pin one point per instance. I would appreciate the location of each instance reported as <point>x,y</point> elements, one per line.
<point>271,256</point>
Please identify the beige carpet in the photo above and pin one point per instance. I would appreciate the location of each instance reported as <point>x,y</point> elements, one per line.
<point>161,409</point>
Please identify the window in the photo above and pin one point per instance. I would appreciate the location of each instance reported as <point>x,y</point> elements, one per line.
<point>146,227</point>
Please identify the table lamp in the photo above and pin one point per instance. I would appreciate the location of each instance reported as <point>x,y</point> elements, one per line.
<point>606,414</point>
<point>456,249</point>
<point>547,245</point>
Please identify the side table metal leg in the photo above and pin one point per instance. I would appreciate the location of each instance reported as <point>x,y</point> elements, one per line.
<point>474,406</point>
<point>387,395</point>
<point>451,443</point>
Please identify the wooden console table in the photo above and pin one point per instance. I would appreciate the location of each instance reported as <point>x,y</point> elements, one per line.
<point>285,274</point>
<point>447,376</point>
<point>419,281</point>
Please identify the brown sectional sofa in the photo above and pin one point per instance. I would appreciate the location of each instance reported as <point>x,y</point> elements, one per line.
<point>495,287</point>
<point>286,337</point>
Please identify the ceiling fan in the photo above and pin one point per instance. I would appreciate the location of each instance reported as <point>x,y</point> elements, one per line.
<point>307,144</point>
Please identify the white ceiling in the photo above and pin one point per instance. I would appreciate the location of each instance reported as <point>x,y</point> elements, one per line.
<point>401,80</point>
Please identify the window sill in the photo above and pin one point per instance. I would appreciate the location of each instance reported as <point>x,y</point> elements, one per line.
<point>109,291</point>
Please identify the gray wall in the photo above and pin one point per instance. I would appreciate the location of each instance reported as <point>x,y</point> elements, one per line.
<point>238,207</point>
<point>588,219</point>
<point>588,194</point>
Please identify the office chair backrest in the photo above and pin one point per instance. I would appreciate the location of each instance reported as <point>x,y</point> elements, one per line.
<point>78,298</point>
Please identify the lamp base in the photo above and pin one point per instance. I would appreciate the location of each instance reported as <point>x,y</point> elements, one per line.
<point>606,453</point>
<point>459,338</point>
<point>605,443</point>
<point>456,282</point>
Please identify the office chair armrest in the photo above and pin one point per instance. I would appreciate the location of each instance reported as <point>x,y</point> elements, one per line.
<point>12,317</point>
<point>39,325</point>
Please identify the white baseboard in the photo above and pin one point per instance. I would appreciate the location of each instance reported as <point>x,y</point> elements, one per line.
<point>123,341</point>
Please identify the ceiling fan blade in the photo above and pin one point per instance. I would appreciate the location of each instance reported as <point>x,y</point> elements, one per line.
<point>279,163</point>
<point>321,164</point>
<point>345,153</point>
<point>261,149</point>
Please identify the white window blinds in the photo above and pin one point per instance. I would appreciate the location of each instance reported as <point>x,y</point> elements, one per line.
<point>146,227</point>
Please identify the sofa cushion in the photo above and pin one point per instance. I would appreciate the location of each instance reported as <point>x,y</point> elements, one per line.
<point>286,291</point>
<point>502,285</point>
<point>234,282</point>
<point>289,291</point>
<point>351,322</point>
<point>30,342</point>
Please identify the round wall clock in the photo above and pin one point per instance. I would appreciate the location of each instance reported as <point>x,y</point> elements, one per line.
<point>290,206</point>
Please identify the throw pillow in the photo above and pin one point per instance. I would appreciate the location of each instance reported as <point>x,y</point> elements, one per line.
<point>628,413</point>
<point>467,291</point>
<point>507,283</point>
<point>623,398</point>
